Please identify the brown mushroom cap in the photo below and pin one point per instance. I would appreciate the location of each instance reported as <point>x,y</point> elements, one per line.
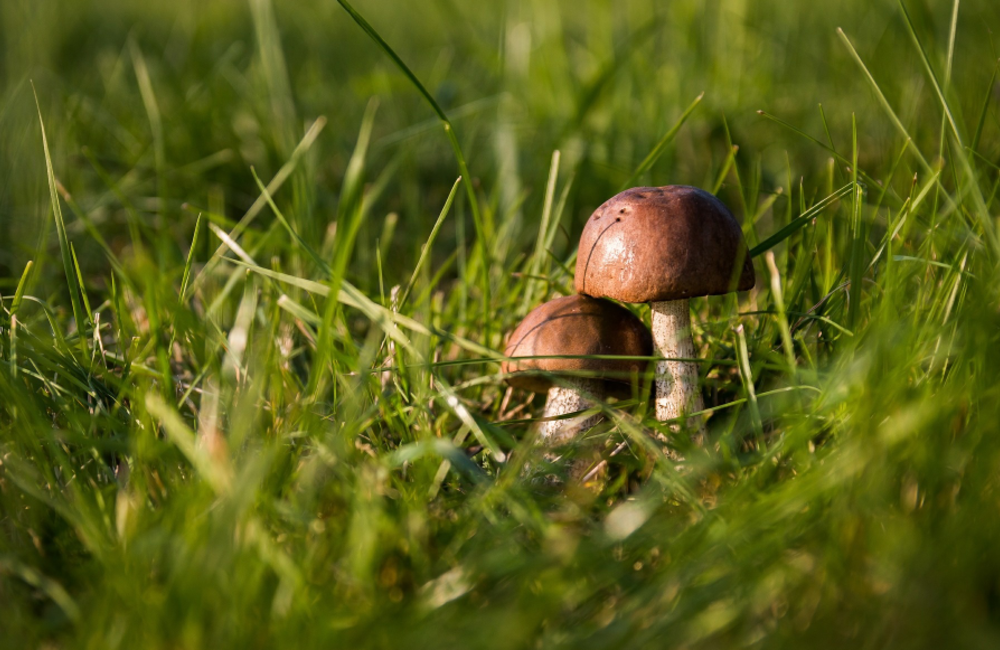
<point>650,244</point>
<point>578,325</point>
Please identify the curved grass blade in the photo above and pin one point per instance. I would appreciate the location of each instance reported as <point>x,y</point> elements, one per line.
<point>799,222</point>
<point>657,151</point>
<point>446,123</point>
<point>72,281</point>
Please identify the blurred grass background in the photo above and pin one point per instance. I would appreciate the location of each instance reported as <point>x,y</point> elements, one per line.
<point>198,455</point>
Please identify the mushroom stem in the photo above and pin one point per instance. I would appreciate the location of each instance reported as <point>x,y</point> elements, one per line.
<point>677,389</point>
<point>576,394</point>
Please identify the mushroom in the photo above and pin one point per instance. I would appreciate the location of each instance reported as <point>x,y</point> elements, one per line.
<point>575,326</point>
<point>664,245</point>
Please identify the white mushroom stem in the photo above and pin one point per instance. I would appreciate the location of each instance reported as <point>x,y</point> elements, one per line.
<point>677,389</point>
<point>575,394</point>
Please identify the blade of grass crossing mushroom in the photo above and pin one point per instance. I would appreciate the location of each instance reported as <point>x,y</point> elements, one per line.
<point>72,282</point>
<point>657,151</point>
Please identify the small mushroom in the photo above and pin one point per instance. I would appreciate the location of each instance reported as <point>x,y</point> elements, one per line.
<point>664,245</point>
<point>575,326</point>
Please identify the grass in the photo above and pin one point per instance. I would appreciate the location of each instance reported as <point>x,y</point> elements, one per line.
<point>257,261</point>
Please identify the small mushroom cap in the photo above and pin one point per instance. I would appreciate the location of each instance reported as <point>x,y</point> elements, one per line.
<point>650,244</point>
<point>578,325</point>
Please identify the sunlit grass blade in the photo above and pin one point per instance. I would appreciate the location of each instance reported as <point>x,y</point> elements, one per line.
<point>747,377</point>
<point>543,230</point>
<point>484,235</point>
<point>799,222</point>
<point>72,282</point>
<point>186,276</point>
<point>22,284</point>
<point>88,312</point>
<point>931,75</point>
<point>658,150</point>
<point>724,170</point>
<point>310,137</point>
<point>184,439</point>
<point>857,234</point>
<point>886,106</point>
<point>426,247</point>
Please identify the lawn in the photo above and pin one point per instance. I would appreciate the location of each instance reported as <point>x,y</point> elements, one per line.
<point>257,264</point>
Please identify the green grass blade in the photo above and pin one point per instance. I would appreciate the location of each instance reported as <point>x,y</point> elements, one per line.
<point>882,100</point>
<point>425,249</point>
<point>484,234</point>
<point>22,284</point>
<point>988,95</point>
<point>72,282</point>
<point>543,229</point>
<point>857,234</point>
<point>186,277</point>
<point>657,151</point>
<point>88,312</point>
<point>724,170</point>
<point>286,170</point>
<point>184,439</point>
<point>747,376</point>
<point>799,222</point>
<point>930,71</point>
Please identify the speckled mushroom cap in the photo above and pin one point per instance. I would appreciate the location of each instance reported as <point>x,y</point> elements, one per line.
<point>650,244</point>
<point>578,325</point>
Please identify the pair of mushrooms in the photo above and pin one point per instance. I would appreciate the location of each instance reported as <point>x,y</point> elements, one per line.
<point>656,245</point>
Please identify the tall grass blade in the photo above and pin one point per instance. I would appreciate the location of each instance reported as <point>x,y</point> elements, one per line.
<point>658,150</point>
<point>425,249</point>
<point>72,282</point>
<point>484,236</point>
<point>543,231</point>
<point>882,100</point>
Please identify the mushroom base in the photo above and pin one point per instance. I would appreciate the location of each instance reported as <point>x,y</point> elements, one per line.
<point>677,388</point>
<point>576,394</point>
